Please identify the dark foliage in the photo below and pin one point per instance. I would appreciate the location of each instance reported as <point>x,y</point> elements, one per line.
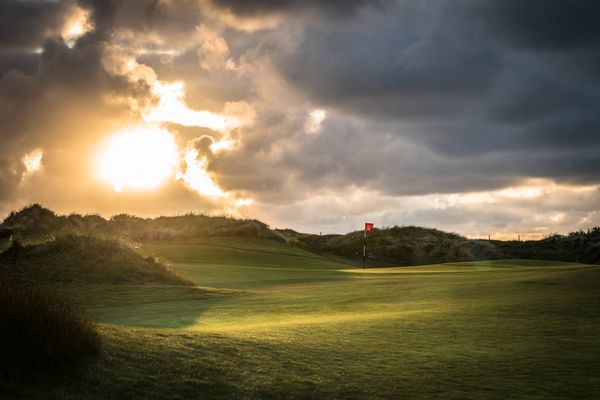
<point>398,245</point>
<point>40,333</point>
<point>37,223</point>
<point>408,245</point>
<point>581,246</point>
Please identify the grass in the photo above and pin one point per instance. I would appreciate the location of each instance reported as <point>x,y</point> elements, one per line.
<point>41,333</point>
<point>407,245</point>
<point>244,263</point>
<point>285,323</point>
<point>83,259</point>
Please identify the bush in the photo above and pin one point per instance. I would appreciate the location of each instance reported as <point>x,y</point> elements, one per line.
<point>40,333</point>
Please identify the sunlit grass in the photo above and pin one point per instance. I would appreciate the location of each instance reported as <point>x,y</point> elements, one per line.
<point>295,325</point>
<point>474,266</point>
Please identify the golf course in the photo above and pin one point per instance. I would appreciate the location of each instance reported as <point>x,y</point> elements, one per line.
<point>267,320</point>
<point>299,200</point>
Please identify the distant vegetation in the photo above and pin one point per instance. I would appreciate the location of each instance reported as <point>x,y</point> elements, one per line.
<point>409,245</point>
<point>83,259</point>
<point>41,333</point>
<point>36,223</point>
<point>581,246</point>
<point>396,245</point>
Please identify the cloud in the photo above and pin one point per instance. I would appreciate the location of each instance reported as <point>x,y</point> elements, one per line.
<point>26,25</point>
<point>60,108</point>
<point>411,64</point>
<point>454,87</point>
<point>323,113</point>
<point>532,211</point>
<point>555,25</point>
<point>258,7</point>
<point>153,22</point>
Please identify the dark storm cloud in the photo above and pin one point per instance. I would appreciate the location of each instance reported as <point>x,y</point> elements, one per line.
<point>170,19</point>
<point>280,163</point>
<point>376,156</point>
<point>103,16</point>
<point>434,60</point>
<point>10,175</point>
<point>549,25</point>
<point>260,7</point>
<point>23,60</point>
<point>471,84</point>
<point>416,60</point>
<point>26,24</point>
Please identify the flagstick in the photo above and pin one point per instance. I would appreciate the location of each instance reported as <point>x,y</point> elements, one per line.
<point>365,248</point>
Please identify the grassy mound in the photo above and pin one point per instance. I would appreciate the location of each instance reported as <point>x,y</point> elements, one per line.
<point>41,333</point>
<point>83,259</point>
<point>36,223</point>
<point>581,246</point>
<point>408,245</point>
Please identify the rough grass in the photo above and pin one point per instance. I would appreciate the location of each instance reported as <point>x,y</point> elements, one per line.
<point>40,333</point>
<point>582,246</point>
<point>407,245</point>
<point>84,259</point>
<point>36,223</point>
<point>493,330</point>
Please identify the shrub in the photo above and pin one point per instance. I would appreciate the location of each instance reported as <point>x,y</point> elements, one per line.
<point>41,333</point>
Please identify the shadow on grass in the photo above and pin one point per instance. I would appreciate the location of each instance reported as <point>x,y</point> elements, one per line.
<point>41,333</point>
<point>146,306</point>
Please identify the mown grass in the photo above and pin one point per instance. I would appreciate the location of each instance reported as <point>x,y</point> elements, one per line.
<point>244,263</point>
<point>298,326</point>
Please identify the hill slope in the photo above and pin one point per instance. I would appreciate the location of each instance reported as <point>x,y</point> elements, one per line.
<point>409,245</point>
<point>397,245</point>
<point>38,223</point>
<point>581,246</point>
<point>83,259</point>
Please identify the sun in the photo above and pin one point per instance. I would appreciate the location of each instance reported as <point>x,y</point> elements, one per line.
<point>138,158</point>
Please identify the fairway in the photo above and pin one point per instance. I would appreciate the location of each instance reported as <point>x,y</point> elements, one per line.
<point>271,321</point>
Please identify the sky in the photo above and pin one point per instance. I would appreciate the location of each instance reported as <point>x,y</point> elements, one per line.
<point>472,116</point>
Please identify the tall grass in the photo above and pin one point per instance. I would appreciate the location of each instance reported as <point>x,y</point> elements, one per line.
<point>406,245</point>
<point>36,224</point>
<point>41,333</point>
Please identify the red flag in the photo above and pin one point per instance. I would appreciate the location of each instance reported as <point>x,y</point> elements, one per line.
<point>369,227</point>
